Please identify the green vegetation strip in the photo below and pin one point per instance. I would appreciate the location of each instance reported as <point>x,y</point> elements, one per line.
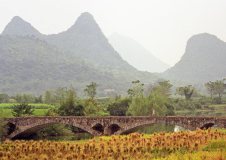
<point>7,113</point>
<point>35,105</point>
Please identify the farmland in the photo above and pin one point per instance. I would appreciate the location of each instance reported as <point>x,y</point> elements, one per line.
<point>192,145</point>
<point>40,109</point>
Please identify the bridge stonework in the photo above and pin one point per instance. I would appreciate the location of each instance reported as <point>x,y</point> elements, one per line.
<point>108,125</point>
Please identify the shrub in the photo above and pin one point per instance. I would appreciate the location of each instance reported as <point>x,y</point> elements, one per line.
<point>22,109</point>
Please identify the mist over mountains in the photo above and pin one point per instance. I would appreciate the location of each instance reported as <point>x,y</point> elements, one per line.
<point>136,55</point>
<point>34,62</point>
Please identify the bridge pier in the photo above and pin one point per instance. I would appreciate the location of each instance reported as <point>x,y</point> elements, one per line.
<point>106,132</point>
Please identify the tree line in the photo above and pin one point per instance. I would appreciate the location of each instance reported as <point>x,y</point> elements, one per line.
<point>156,99</point>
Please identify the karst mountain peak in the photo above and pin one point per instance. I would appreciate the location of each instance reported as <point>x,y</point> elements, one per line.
<point>20,27</point>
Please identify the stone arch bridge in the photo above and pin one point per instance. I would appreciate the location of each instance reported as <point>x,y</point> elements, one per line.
<point>108,125</point>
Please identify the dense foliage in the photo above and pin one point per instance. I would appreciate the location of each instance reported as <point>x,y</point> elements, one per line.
<point>157,101</point>
<point>119,107</point>
<point>69,107</point>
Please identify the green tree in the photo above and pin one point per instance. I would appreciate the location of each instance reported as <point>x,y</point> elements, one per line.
<point>179,91</point>
<point>216,88</point>
<point>38,99</point>
<point>90,90</point>
<point>119,107</point>
<point>137,89</point>
<point>91,105</point>
<point>164,87</point>
<point>48,97</point>
<point>187,91</point>
<point>61,93</point>
<point>52,112</point>
<point>4,98</point>
<point>160,101</point>
<point>156,103</point>
<point>69,106</point>
<point>22,109</point>
<point>24,98</point>
<point>219,88</point>
<point>140,106</point>
<point>210,88</point>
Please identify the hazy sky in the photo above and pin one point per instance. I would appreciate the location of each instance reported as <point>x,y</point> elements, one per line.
<point>162,26</point>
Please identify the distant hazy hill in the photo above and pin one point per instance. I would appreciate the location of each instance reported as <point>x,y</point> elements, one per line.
<point>31,61</point>
<point>136,55</point>
<point>204,60</point>
<point>17,26</point>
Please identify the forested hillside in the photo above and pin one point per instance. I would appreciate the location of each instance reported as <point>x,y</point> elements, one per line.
<point>33,62</point>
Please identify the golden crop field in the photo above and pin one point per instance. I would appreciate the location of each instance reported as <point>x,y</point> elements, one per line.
<point>187,145</point>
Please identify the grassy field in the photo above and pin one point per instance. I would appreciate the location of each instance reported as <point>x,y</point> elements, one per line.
<point>211,110</point>
<point>187,145</point>
<point>39,109</point>
<point>7,113</point>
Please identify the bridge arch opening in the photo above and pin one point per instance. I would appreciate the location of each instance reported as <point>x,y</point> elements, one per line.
<point>98,127</point>
<point>150,128</point>
<point>10,127</point>
<point>207,125</point>
<point>153,127</point>
<point>53,131</point>
<point>113,128</point>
